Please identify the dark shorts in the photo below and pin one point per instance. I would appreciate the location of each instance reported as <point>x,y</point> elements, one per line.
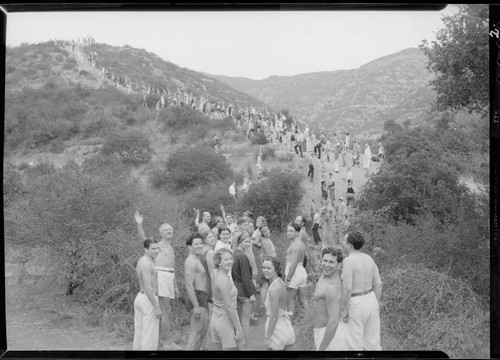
<point>202,298</point>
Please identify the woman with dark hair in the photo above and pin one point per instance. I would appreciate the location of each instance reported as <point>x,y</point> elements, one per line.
<point>278,329</point>
<point>226,329</point>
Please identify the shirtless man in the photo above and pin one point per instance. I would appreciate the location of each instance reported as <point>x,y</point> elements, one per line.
<point>203,227</point>
<point>295,274</point>
<point>195,278</point>
<point>328,329</point>
<point>299,220</point>
<point>167,286</point>
<point>362,292</point>
<point>147,311</point>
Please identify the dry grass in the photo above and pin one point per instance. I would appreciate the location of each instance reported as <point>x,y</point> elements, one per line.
<point>429,310</point>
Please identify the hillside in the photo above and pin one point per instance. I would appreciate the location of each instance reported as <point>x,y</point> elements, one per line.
<point>54,93</point>
<point>359,100</point>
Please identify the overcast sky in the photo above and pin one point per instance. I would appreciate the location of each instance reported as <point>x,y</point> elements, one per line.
<point>248,44</point>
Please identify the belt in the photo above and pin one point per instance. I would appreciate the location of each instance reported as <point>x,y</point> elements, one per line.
<point>362,293</point>
<point>143,292</point>
<point>170,271</point>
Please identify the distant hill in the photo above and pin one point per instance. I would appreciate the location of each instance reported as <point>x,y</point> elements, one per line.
<point>358,100</point>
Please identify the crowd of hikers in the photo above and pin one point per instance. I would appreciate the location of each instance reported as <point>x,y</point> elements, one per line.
<point>233,274</point>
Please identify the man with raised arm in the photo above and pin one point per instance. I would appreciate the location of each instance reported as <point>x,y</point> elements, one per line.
<point>362,292</point>
<point>203,226</point>
<point>328,329</point>
<point>147,311</point>
<point>167,287</point>
<point>195,281</point>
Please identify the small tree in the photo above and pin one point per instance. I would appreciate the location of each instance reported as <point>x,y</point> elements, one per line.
<point>189,167</point>
<point>276,198</point>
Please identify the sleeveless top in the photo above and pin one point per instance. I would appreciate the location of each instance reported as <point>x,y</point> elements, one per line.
<point>219,303</point>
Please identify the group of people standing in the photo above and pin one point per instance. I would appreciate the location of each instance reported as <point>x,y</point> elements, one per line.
<point>233,274</point>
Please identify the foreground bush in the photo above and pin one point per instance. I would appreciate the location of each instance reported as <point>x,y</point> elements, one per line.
<point>72,211</point>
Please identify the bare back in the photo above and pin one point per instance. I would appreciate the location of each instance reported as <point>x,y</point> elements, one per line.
<point>363,270</point>
<point>296,251</point>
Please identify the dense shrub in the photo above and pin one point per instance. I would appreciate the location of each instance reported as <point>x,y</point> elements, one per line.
<point>195,166</point>
<point>268,153</point>
<point>258,139</point>
<point>418,177</point>
<point>132,146</point>
<point>276,198</point>
<point>71,211</point>
<point>208,198</point>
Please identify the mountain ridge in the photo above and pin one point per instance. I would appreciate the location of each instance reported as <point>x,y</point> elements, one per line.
<point>395,86</point>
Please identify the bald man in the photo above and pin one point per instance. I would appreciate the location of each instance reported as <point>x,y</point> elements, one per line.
<point>167,287</point>
<point>203,226</point>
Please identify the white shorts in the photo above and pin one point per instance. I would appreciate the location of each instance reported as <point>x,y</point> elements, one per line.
<point>299,279</point>
<point>338,341</point>
<point>166,278</point>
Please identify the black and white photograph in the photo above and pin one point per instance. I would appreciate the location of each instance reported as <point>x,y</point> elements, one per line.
<point>290,179</point>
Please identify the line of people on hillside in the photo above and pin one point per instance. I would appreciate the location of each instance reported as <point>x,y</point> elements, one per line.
<point>162,96</point>
<point>233,273</point>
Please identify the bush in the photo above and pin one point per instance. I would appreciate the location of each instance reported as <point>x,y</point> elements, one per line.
<point>258,139</point>
<point>286,157</point>
<point>268,153</point>
<point>195,166</point>
<point>132,146</point>
<point>276,198</point>
<point>208,199</point>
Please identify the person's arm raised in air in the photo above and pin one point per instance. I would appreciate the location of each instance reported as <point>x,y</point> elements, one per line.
<point>197,218</point>
<point>138,220</point>
<point>223,212</point>
<point>332,300</point>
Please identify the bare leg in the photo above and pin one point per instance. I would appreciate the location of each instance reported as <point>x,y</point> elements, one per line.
<point>165,334</point>
<point>292,293</point>
<point>197,331</point>
<point>303,299</point>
